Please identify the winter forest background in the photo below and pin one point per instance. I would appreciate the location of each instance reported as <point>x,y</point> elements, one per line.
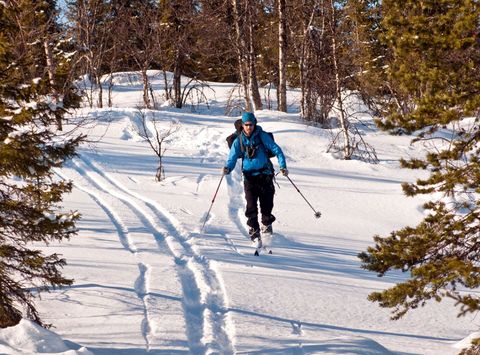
<point>412,67</point>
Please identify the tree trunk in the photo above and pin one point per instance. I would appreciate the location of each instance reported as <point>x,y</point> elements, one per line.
<point>306,107</point>
<point>282,51</point>
<point>98,79</point>
<point>252,70</point>
<point>110,90</point>
<point>347,148</point>
<point>160,174</point>
<point>146,84</point>
<point>241,48</point>
<point>301,65</point>
<point>51,78</point>
<point>167,89</point>
<point>177,79</point>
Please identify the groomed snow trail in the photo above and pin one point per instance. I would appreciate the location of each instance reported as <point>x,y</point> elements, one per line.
<point>209,327</point>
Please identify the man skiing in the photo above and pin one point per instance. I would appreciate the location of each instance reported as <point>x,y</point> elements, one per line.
<point>253,145</point>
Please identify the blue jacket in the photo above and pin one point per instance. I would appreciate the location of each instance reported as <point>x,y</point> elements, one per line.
<point>259,163</point>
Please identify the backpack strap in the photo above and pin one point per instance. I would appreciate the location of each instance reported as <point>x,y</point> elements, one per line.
<point>240,138</point>
<point>270,154</point>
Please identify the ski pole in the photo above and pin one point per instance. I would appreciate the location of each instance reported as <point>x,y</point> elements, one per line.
<point>213,200</point>
<point>317,214</point>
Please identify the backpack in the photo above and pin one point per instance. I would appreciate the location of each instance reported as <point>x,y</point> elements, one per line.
<point>238,130</point>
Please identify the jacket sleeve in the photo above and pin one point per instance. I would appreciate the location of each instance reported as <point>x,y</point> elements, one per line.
<point>270,144</point>
<point>235,153</point>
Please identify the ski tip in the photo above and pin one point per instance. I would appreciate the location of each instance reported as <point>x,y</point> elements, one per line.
<point>268,251</point>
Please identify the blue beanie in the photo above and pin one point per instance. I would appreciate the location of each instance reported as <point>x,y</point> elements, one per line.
<point>249,117</point>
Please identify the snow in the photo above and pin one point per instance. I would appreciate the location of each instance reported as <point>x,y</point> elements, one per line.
<point>147,280</point>
<point>465,343</point>
<point>29,338</point>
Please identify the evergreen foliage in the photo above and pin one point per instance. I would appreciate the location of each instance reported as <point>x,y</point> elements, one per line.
<point>30,148</point>
<point>434,63</point>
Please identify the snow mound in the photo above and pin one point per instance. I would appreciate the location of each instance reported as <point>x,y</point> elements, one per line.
<point>341,345</point>
<point>348,345</point>
<point>29,338</point>
<point>466,342</point>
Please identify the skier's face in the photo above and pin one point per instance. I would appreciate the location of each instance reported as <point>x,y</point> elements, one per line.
<point>248,128</point>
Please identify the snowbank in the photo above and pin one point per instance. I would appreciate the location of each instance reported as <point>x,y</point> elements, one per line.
<point>29,338</point>
<point>466,342</point>
<point>342,345</point>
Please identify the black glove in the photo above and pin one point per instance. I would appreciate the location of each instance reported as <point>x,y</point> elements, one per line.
<point>284,172</point>
<point>226,171</point>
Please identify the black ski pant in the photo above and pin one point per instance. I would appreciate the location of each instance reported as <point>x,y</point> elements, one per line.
<point>259,188</point>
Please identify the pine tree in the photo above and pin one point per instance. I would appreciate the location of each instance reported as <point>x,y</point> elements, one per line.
<point>435,62</point>
<point>30,148</point>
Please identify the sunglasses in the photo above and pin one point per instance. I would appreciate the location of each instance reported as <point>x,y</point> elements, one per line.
<point>248,124</point>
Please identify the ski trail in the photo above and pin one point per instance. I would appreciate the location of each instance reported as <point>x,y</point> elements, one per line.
<point>141,287</point>
<point>191,300</point>
<point>123,234</point>
<point>200,179</point>
<point>232,245</point>
<point>209,326</point>
<point>235,204</point>
<point>122,230</point>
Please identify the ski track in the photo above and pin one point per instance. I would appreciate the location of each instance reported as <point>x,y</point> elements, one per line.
<point>232,245</point>
<point>191,293</point>
<point>141,287</point>
<point>122,230</point>
<point>208,322</point>
<point>141,282</point>
<point>235,202</point>
<point>200,179</point>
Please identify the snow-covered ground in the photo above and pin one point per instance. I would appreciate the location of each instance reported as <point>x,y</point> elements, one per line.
<point>148,280</point>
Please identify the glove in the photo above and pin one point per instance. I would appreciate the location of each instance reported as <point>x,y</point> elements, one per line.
<point>226,171</point>
<point>284,172</point>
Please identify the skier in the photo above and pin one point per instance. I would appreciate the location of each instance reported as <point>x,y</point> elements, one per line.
<point>253,146</point>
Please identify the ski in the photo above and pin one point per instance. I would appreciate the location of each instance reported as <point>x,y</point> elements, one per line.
<point>262,248</point>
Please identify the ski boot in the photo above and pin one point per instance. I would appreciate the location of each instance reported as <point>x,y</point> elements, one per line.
<point>266,229</point>
<point>255,237</point>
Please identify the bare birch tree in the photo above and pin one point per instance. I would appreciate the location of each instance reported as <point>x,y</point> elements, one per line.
<point>141,27</point>
<point>93,36</point>
<point>157,138</point>
<point>244,22</point>
<point>352,142</point>
<point>315,66</point>
<point>252,68</point>
<point>241,48</point>
<point>347,147</point>
<point>179,19</point>
<point>282,59</point>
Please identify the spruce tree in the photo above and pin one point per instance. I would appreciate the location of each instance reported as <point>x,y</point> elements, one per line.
<point>434,59</point>
<point>30,148</point>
